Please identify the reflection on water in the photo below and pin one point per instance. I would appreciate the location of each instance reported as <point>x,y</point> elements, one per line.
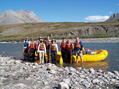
<point>97,65</point>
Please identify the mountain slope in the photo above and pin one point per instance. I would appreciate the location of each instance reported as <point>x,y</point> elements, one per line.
<point>16,17</point>
<point>59,30</point>
<point>114,17</point>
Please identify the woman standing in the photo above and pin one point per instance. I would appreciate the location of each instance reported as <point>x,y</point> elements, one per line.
<point>41,51</point>
<point>54,51</point>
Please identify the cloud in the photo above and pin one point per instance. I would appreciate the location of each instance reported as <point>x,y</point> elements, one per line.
<point>97,18</point>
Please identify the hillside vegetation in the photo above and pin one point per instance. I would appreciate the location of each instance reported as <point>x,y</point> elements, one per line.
<point>58,30</point>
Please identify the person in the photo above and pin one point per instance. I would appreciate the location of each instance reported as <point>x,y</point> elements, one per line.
<point>69,47</point>
<point>78,47</point>
<point>41,50</point>
<point>63,48</point>
<point>31,50</point>
<point>48,43</point>
<point>25,48</point>
<point>54,51</point>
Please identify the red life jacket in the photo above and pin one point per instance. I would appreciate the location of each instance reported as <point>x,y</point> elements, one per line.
<point>69,46</point>
<point>63,44</point>
<point>77,45</point>
<point>53,48</point>
<point>48,43</point>
<point>37,45</point>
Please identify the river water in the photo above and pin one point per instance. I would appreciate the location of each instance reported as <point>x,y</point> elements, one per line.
<point>110,63</point>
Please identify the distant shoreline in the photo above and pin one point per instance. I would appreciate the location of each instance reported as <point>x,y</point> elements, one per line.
<point>98,40</point>
<point>101,40</point>
<point>87,40</point>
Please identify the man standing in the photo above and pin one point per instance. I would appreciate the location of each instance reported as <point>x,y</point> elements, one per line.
<point>78,47</point>
<point>63,49</point>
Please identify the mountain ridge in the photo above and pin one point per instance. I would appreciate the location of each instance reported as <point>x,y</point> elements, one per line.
<point>114,17</point>
<point>18,17</point>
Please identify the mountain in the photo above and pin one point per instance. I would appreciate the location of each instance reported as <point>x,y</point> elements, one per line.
<point>17,17</point>
<point>114,17</point>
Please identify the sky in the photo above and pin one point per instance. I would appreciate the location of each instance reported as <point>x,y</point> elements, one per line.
<point>65,10</point>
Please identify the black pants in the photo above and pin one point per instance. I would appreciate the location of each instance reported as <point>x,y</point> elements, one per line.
<point>63,52</point>
<point>48,55</point>
<point>68,56</point>
<point>53,56</point>
<point>31,54</point>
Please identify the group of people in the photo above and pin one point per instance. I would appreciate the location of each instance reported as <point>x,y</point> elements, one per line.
<point>46,49</point>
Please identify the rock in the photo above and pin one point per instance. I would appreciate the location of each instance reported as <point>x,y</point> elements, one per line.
<point>86,84</point>
<point>67,69</point>
<point>52,72</point>
<point>82,76</point>
<point>20,86</point>
<point>91,70</point>
<point>116,73</point>
<point>66,81</point>
<point>110,73</point>
<point>63,85</point>
<point>95,81</point>
<point>113,80</point>
<point>100,70</point>
<point>17,62</point>
<point>72,69</point>
<point>51,66</point>
<point>47,87</point>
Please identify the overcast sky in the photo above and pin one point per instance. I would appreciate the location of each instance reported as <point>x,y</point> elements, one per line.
<point>65,10</point>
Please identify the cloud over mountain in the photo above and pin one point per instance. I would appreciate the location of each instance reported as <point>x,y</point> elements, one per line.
<point>96,18</point>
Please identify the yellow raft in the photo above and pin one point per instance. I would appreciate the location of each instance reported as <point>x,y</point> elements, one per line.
<point>97,56</point>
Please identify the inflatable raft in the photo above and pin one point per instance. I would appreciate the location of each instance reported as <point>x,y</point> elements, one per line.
<point>98,55</point>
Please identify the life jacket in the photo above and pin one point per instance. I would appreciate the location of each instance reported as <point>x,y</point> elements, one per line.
<point>32,45</point>
<point>69,46</point>
<point>63,44</point>
<point>25,44</point>
<point>77,45</point>
<point>53,48</point>
<point>42,47</point>
<point>37,45</point>
<point>48,43</point>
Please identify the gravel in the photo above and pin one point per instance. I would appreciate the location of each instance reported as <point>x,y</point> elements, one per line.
<point>16,74</point>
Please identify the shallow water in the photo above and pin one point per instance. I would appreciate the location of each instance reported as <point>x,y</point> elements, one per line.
<point>111,63</point>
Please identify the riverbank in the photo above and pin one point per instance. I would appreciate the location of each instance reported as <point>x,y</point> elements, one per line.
<point>16,74</point>
<point>86,40</point>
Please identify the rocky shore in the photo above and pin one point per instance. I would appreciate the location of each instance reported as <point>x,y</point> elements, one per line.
<point>17,74</point>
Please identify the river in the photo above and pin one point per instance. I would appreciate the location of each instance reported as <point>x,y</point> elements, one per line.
<point>110,63</point>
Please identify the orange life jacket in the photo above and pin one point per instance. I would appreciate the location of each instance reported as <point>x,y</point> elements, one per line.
<point>32,45</point>
<point>77,45</point>
<point>42,47</point>
<point>63,44</point>
<point>53,48</point>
